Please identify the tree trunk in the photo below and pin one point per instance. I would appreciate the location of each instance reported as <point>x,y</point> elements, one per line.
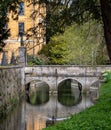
<point>106,17</point>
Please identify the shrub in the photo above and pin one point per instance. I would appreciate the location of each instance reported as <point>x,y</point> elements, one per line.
<point>31,60</point>
<point>107,76</point>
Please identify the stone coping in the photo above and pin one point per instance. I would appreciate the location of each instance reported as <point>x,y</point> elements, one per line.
<point>11,67</point>
<point>69,66</point>
<point>19,66</point>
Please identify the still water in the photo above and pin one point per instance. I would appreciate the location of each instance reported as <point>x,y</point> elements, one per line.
<point>40,109</point>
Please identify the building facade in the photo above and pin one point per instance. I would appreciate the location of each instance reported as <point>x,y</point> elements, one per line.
<point>29,27</point>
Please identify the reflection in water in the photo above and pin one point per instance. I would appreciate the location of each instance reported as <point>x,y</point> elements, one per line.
<point>38,93</point>
<point>37,97</point>
<point>67,95</point>
<point>15,119</point>
<point>40,111</point>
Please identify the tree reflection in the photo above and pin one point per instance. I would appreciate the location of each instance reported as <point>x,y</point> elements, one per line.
<point>38,95</point>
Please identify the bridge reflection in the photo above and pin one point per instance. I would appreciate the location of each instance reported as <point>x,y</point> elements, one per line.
<point>42,109</point>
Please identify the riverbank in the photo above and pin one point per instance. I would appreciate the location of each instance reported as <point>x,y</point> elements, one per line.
<point>97,117</point>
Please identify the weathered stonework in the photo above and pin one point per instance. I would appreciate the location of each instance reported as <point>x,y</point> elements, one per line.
<point>53,75</point>
<point>11,84</point>
<point>22,56</point>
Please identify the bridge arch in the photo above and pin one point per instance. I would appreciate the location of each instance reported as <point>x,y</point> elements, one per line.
<point>27,84</point>
<point>74,79</point>
<point>35,79</point>
<point>73,82</point>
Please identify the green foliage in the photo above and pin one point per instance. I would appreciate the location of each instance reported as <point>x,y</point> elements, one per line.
<point>5,5</point>
<point>56,52</point>
<point>54,18</point>
<point>31,60</point>
<point>4,33</point>
<point>107,76</point>
<point>62,13</point>
<point>96,117</point>
<point>83,10</point>
<point>79,44</point>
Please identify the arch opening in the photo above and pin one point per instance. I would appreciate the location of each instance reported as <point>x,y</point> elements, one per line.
<point>69,92</point>
<point>74,83</point>
<point>37,92</point>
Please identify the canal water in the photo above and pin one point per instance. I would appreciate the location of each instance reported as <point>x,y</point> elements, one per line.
<point>40,108</point>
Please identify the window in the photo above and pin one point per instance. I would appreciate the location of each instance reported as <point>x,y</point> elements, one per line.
<point>21,8</point>
<point>21,28</point>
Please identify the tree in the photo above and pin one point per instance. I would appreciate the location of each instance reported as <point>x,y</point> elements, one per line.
<point>79,44</point>
<point>4,32</point>
<point>5,6</point>
<point>54,20</point>
<point>79,11</point>
<point>95,9</point>
<point>106,17</point>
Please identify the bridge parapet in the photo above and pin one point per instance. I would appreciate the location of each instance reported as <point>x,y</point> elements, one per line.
<point>54,74</point>
<point>61,70</point>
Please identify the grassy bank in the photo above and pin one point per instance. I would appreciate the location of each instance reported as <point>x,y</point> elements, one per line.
<point>97,117</point>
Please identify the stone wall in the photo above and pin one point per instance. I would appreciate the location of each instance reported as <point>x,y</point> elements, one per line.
<point>11,85</point>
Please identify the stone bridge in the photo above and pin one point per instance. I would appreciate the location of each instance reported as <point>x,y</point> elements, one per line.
<point>54,74</point>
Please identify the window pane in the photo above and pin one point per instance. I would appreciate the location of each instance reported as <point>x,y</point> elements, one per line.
<point>21,8</point>
<point>21,28</point>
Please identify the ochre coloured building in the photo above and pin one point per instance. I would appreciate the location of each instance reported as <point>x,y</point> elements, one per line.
<point>29,27</point>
